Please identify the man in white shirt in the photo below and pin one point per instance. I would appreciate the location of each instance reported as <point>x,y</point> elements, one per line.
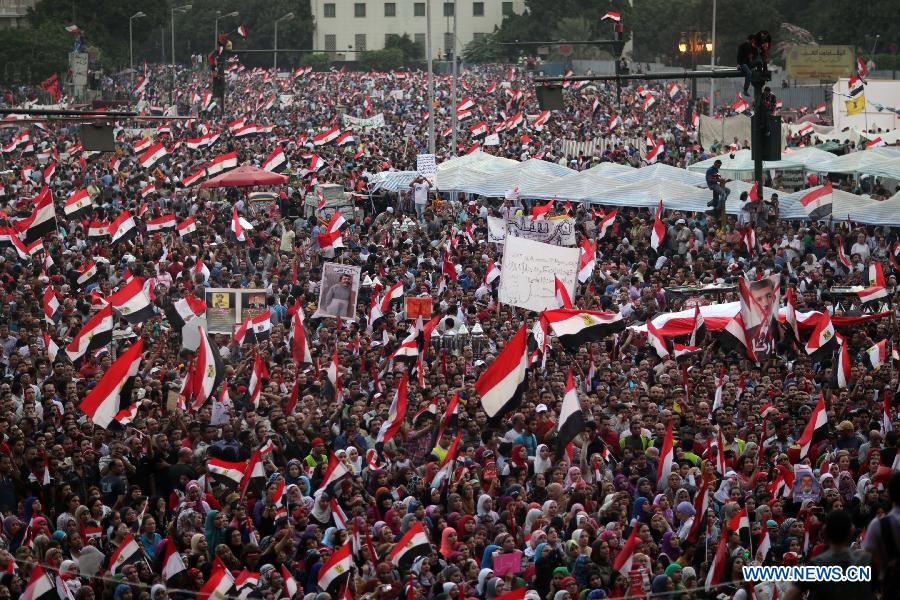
<point>420,187</point>
<point>861,248</point>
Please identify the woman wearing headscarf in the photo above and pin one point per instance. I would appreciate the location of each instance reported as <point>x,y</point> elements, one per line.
<point>494,587</point>
<point>547,560</point>
<point>214,529</point>
<point>321,514</point>
<point>662,587</point>
<point>448,542</point>
<point>485,510</point>
<point>542,459</point>
<point>32,508</point>
<point>487,557</point>
<point>670,545</point>
<point>639,510</point>
<point>483,576</point>
<point>603,564</point>
<point>13,532</point>
<point>355,460</point>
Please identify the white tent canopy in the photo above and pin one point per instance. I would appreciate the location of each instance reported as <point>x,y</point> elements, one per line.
<point>742,164</point>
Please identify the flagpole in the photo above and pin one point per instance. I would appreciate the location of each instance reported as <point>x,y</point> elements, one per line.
<point>430,77</point>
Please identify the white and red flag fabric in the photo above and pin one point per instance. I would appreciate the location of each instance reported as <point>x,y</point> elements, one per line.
<point>396,414</point>
<point>276,162</point>
<point>571,417</point>
<point>337,568</point>
<point>153,155</point>
<point>818,203</point>
<point>133,302</point>
<point>625,557</point>
<point>816,428</point>
<point>666,459</point>
<point>104,401</point>
<point>123,229</point>
<point>587,260</point>
<point>563,300</point>
<point>501,385</point>
<point>659,229</point>
<point>242,31</point>
<point>412,545</point>
<point>606,222</point>
<point>327,136</point>
<point>612,16</point>
<point>655,153</point>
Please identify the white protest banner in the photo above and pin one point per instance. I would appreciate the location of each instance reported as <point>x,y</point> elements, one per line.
<point>559,232</point>
<point>219,412</point>
<point>492,140</point>
<point>397,94</point>
<point>426,165</point>
<point>526,277</point>
<point>370,123</point>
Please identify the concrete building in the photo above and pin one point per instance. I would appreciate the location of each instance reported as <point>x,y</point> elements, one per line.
<point>14,13</point>
<point>346,27</point>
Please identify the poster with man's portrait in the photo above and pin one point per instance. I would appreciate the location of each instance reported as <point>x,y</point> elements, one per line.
<point>759,311</point>
<point>338,291</point>
<point>253,302</point>
<point>221,309</point>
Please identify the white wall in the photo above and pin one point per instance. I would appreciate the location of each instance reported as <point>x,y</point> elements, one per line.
<point>882,92</point>
<point>345,26</point>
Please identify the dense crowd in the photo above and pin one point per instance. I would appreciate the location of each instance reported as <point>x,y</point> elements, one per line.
<point>295,476</point>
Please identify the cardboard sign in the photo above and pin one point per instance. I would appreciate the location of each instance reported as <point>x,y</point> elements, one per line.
<point>418,307</point>
<point>559,232</point>
<point>426,166</point>
<point>528,271</point>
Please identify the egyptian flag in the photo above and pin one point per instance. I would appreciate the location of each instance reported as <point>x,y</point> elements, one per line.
<point>576,327</point>
<point>877,355</point>
<point>42,221</point>
<point>300,346</point>
<point>734,336</point>
<point>666,459</point>
<point>698,331</point>
<point>209,370</point>
<point>587,260</point>
<point>222,163</point>
<point>172,563</point>
<point>571,418</point>
<point>132,302</point>
<point>448,464</point>
<point>822,341</point>
<point>218,585</point>
<point>203,141</point>
<point>396,415</point>
<point>123,228</point>
<point>335,471</point>
<point>226,473</point>
<point>255,330</point>
<point>153,155</point>
<point>169,221</point>
<point>77,204</point>
<point>614,16</point>
<point>562,294</point>
<point>818,203</point>
<point>40,586</point>
<point>605,223</point>
<point>492,273</point>
<point>501,385</point>
<point>659,229</point>
<point>51,306</point>
<point>180,312</point>
<point>657,341</point>
<point>876,289</point>
<point>186,227</point>
<point>260,372</point>
<point>276,162</point>
<point>239,226</point>
<point>842,256</point>
<point>95,334</point>
<point>539,211</point>
<point>717,567</point>
<point>739,521</point>
<point>790,314</point>
<point>113,392</point>
<point>412,545</point>
<point>625,557</point>
<point>701,504</point>
<point>327,136</point>
<point>654,153</point>
<point>886,412</point>
<point>762,551</point>
<point>841,376</point>
<point>816,429</point>
<point>127,553</point>
<point>290,584</point>
<point>190,180</point>
<point>246,581</point>
<point>336,569</point>
<point>87,273</point>
<point>395,292</point>
<point>332,373</point>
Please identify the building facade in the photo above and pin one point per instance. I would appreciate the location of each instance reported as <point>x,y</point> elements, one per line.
<point>345,28</point>
<point>14,13</point>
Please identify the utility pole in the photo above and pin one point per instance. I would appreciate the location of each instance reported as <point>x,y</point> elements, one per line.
<point>454,89</point>
<point>430,77</point>
<point>712,62</point>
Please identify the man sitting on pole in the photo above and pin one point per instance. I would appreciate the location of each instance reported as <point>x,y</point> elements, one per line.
<point>715,182</point>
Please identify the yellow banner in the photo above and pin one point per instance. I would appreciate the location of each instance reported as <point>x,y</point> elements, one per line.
<point>856,105</point>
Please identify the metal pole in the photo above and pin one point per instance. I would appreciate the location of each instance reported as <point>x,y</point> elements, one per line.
<point>162,44</point>
<point>275,60</point>
<point>131,48</point>
<point>172,91</point>
<point>430,77</point>
<point>216,33</point>
<point>712,82</point>
<point>454,88</point>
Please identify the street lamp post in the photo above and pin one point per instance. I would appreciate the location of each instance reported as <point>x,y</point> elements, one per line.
<point>692,42</point>
<point>219,16</point>
<point>286,17</point>
<point>430,77</point>
<point>131,19</point>
<point>180,10</point>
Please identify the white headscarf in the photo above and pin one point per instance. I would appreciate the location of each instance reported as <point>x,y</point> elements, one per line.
<point>541,465</point>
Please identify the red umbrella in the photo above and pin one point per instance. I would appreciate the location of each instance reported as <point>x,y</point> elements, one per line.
<point>245,176</point>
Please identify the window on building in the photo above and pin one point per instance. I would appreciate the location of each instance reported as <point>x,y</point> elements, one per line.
<point>448,42</point>
<point>390,9</point>
<point>419,38</point>
<point>390,38</point>
<point>330,42</point>
<point>330,10</point>
<point>448,9</point>
<point>419,9</point>
<point>359,9</point>
<point>359,41</point>
<point>507,9</point>
<point>478,9</point>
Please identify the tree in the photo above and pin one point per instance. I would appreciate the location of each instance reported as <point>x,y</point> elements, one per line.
<point>485,49</point>
<point>577,29</point>
<point>382,60</point>
<point>32,55</point>
<point>319,61</point>
<point>411,50</point>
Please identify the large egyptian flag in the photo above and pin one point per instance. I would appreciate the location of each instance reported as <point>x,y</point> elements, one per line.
<point>172,563</point>
<point>96,333</point>
<point>412,545</point>
<point>666,459</point>
<point>817,203</point>
<point>276,162</point>
<point>336,569</point>
<point>501,385</point>
<point>113,393</point>
<point>625,557</point>
<point>571,419</point>
<point>396,415</point>
<point>78,204</point>
<point>299,344</point>
<point>218,585</point>
<point>335,471</point>
<point>123,229</point>
<point>133,302</point>
<point>42,221</point>
<point>226,472</point>
<point>40,586</point>
<point>209,370</point>
<point>180,312</point>
<point>127,553</point>
<point>575,327</point>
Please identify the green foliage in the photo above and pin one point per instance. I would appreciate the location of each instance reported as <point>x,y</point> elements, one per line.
<point>411,50</point>
<point>105,25</point>
<point>382,60</point>
<point>318,61</point>
<point>486,49</point>
<point>32,55</point>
